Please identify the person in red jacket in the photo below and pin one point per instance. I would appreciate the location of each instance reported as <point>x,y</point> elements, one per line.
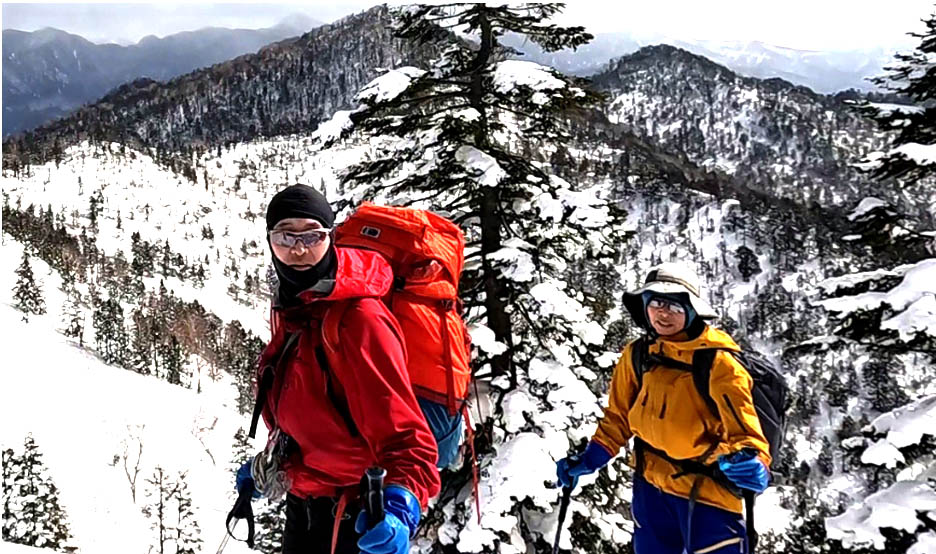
<point>330,419</point>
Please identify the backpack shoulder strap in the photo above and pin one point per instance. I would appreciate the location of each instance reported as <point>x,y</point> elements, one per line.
<point>266,380</point>
<point>702,361</point>
<point>639,358</point>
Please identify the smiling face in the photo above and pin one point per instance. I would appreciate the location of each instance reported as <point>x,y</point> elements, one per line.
<point>299,256</point>
<point>666,317</point>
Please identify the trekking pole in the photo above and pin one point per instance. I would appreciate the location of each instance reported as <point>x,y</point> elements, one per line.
<point>374,497</point>
<point>563,508</point>
<point>224,541</point>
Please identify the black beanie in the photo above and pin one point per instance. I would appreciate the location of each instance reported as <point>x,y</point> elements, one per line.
<point>300,201</point>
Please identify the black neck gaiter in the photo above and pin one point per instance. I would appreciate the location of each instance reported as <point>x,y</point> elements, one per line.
<point>292,281</point>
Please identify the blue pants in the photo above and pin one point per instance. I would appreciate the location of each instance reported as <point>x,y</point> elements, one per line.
<point>445,428</point>
<point>661,525</point>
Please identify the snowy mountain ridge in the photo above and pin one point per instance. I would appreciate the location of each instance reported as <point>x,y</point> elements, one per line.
<point>48,73</point>
<point>825,72</point>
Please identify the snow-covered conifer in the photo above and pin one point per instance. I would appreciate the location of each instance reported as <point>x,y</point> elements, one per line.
<point>32,514</point>
<point>27,292</point>
<point>457,140</point>
<point>887,319</point>
<point>912,75</point>
<point>187,533</point>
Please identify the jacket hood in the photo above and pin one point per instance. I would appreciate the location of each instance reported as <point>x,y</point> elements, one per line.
<point>358,274</point>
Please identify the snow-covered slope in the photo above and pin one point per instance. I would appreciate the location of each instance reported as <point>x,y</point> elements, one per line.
<point>84,414</point>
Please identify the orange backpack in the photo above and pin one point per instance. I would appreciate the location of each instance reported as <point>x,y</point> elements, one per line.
<point>427,255</point>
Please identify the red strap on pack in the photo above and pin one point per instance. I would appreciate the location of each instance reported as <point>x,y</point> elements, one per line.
<point>474,461</point>
<point>339,513</point>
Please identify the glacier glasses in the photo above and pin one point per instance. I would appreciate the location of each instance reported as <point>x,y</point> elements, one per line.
<point>289,239</point>
<point>658,303</point>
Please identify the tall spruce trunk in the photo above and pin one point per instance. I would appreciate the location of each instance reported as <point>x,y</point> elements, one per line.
<point>494,302</point>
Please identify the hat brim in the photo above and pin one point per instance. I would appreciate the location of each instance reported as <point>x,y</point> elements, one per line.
<point>702,308</point>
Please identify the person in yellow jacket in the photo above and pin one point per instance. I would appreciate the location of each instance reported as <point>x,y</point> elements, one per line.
<point>692,464</point>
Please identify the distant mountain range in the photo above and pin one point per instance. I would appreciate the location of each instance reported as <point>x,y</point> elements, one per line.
<point>48,73</point>
<point>825,72</point>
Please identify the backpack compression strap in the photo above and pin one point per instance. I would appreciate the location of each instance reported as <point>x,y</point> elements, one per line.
<point>266,383</point>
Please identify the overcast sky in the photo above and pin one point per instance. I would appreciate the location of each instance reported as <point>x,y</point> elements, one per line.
<point>801,24</point>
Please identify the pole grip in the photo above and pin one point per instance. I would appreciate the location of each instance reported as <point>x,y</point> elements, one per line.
<point>374,497</point>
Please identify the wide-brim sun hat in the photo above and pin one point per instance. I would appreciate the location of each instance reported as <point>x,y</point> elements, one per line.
<point>673,279</point>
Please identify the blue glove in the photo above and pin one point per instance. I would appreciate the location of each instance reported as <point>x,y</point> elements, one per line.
<point>392,535</point>
<point>245,479</point>
<point>594,458</point>
<point>745,470</point>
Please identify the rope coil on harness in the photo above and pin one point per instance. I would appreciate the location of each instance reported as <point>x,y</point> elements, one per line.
<point>270,478</point>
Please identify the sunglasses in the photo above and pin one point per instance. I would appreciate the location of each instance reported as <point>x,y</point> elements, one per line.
<point>664,304</point>
<point>288,239</point>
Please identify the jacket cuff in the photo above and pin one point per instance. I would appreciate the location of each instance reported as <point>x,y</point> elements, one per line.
<point>596,456</point>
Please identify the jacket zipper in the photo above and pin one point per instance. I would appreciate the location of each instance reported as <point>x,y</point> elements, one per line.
<point>734,413</point>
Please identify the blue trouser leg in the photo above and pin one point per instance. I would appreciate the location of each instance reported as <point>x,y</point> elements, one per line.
<point>446,429</point>
<point>656,525</point>
<point>661,525</point>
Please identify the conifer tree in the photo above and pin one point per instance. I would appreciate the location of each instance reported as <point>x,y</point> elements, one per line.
<point>913,76</point>
<point>10,467</point>
<point>465,117</point>
<point>454,136</point>
<point>110,334</point>
<point>187,533</point>
<point>94,209</point>
<point>73,313</point>
<point>158,507</point>
<point>173,359</point>
<point>892,340</point>
<point>27,293</point>
<point>142,252</point>
<point>32,513</point>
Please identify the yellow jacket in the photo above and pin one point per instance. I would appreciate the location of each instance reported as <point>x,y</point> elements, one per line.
<point>669,414</point>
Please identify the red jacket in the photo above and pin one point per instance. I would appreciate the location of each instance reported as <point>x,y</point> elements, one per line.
<point>371,378</point>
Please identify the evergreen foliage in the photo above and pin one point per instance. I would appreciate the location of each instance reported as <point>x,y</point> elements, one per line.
<point>32,514</point>
<point>883,462</point>
<point>73,310</point>
<point>187,533</point>
<point>465,117</point>
<point>171,515</point>
<point>473,131</point>
<point>912,76</point>
<point>27,293</point>
<point>271,522</point>
<point>110,334</point>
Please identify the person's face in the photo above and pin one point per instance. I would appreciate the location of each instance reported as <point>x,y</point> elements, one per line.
<point>296,242</point>
<point>666,317</point>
